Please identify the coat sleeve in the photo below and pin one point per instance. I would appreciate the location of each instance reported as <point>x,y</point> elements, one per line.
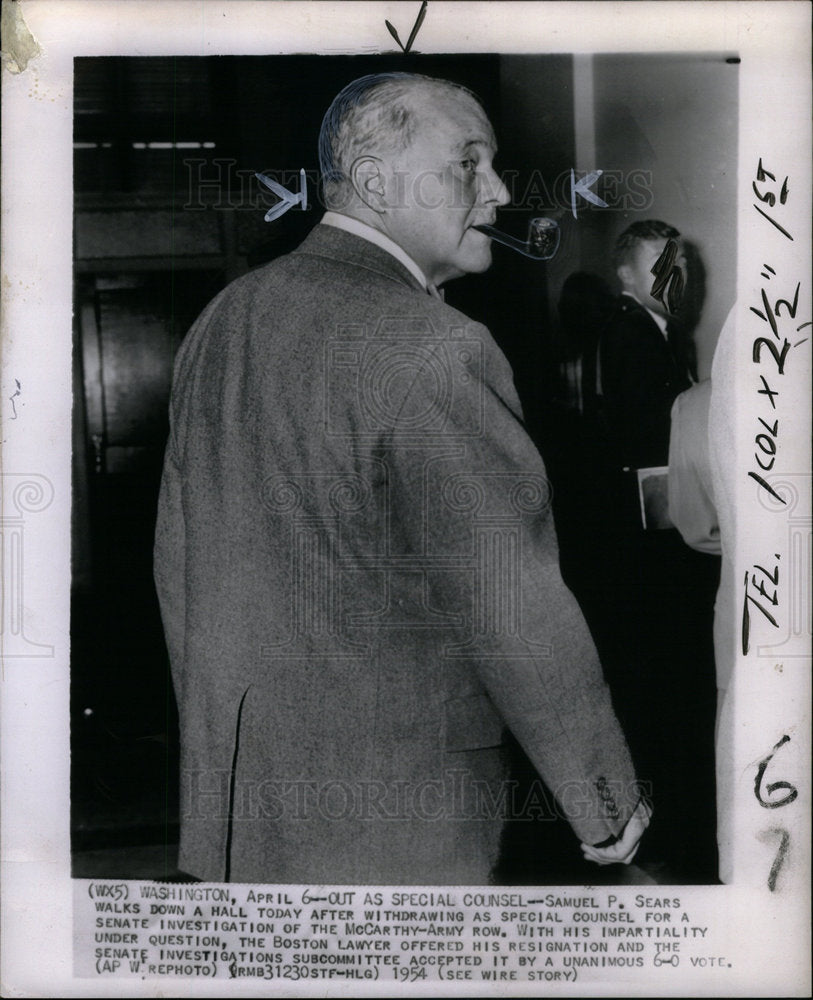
<point>483,483</point>
<point>169,563</point>
<point>170,568</point>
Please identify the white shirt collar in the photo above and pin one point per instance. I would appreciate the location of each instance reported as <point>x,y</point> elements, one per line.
<point>660,320</point>
<point>357,228</point>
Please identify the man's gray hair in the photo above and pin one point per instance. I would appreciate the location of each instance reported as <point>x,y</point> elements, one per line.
<point>374,114</point>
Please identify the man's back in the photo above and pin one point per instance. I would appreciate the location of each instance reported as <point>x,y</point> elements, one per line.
<point>359,581</point>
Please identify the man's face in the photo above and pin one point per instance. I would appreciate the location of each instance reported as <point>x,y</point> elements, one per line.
<point>637,277</point>
<point>442,185</point>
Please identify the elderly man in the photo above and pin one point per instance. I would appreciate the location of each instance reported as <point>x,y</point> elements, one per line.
<point>355,555</point>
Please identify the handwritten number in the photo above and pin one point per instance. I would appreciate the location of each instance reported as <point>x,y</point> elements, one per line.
<point>778,358</point>
<point>766,836</point>
<point>781,853</point>
<point>769,315</point>
<point>791,308</point>
<point>775,495</point>
<point>774,786</point>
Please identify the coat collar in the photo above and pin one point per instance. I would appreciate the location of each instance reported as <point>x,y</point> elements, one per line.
<point>629,302</point>
<point>328,241</point>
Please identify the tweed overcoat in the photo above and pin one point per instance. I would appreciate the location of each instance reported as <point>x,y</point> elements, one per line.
<point>359,582</point>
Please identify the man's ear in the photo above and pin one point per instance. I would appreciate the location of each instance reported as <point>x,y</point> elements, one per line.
<point>624,273</point>
<point>369,183</point>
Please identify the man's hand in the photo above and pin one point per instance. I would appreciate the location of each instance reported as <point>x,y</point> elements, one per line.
<point>625,848</point>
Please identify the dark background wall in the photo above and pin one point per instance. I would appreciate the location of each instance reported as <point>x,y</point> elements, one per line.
<point>168,211</point>
<point>674,118</point>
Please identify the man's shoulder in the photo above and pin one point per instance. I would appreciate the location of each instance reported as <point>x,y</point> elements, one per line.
<point>631,323</point>
<point>629,312</point>
<point>257,283</point>
<point>333,281</point>
<point>328,264</point>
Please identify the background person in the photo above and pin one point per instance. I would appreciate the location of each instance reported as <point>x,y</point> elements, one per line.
<point>647,596</point>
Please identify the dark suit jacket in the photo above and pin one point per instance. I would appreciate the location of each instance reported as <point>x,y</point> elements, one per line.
<point>640,377</point>
<point>359,581</point>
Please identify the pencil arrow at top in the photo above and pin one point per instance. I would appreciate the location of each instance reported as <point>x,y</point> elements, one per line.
<point>415,29</point>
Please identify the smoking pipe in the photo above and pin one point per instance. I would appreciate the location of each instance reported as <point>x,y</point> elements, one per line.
<point>541,244</point>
